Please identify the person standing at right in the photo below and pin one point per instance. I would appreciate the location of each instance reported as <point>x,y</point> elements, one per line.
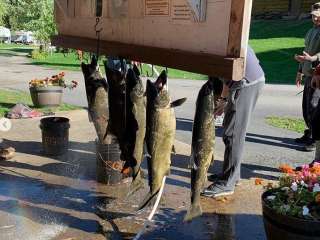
<point>310,56</point>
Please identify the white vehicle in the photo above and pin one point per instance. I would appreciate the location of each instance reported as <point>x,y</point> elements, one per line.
<point>23,37</point>
<point>5,35</point>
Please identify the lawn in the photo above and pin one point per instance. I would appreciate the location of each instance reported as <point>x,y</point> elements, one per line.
<point>292,124</point>
<point>15,49</point>
<point>8,98</point>
<point>274,41</point>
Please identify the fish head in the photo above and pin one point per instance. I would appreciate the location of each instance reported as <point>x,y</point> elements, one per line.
<point>116,80</point>
<point>91,71</point>
<point>157,93</point>
<point>134,84</point>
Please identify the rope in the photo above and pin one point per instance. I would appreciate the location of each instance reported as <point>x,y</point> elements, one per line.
<point>107,163</point>
<point>149,219</point>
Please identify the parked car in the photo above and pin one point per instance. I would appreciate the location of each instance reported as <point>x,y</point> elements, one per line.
<point>5,35</point>
<point>23,37</point>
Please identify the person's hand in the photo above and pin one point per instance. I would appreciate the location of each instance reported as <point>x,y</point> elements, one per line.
<point>305,57</point>
<point>299,79</point>
<point>315,82</point>
<point>219,109</point>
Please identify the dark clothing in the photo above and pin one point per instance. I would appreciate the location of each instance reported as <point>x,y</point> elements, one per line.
<point>307,107</point>
<point>316,123</point>
<point>312,47</point>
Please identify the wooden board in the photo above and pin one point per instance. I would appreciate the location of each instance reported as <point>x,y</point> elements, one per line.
<point>211,42</point>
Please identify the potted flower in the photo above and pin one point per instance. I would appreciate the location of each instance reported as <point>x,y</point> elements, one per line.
<point>48,92</point>
<point>291,210</point>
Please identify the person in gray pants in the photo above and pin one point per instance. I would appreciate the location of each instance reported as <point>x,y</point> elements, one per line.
<point>238,101</point>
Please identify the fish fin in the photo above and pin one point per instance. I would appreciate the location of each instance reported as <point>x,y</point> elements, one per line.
<point>173,150</point>
<point>136,70</point>
<point>194,211</point>
<point>149,199</point>
<point>178,102</point>
<point>135,186</point>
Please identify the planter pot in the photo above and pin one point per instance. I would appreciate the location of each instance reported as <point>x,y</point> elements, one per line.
<point>50,96</point>
<point>281,227</point>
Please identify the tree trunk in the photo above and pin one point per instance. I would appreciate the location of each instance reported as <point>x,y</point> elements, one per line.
<point>295,7</point>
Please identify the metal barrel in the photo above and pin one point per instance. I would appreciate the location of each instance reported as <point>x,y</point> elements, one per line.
<point>55,135</point>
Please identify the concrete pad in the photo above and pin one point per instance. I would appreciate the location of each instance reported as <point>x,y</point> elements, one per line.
<point>43,197</point>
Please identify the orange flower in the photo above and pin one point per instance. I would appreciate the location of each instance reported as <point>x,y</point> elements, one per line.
<point>318,198</point>
<point>315,169</point>
<point>285,168</point>
<point>258,181</point>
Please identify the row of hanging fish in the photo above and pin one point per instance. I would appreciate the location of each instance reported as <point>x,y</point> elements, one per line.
<point>119,106</point>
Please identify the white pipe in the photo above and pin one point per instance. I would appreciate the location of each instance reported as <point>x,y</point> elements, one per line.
<point>154,209</point>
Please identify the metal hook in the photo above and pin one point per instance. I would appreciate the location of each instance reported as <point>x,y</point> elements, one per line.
<point>96,26</point>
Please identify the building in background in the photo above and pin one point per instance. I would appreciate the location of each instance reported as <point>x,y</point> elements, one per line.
<point>291,8</point>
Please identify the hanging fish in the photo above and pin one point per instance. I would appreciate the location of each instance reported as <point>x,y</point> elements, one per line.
<point>202,149</point>
<point>117,102</point>
<point>136,128</point>
<point>97,96</point>
<point>160,135</point>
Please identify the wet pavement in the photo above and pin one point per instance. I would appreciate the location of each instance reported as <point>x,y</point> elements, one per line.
<point>43,197</point>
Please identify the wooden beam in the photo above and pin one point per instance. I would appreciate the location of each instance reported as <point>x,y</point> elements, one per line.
<point>236,28</point>
<point>230,68</point>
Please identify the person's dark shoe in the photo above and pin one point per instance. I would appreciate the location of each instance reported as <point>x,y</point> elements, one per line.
<point>214,191</point>
<point>310,147</point>
<point>217,177</point>
<point>303,140</point>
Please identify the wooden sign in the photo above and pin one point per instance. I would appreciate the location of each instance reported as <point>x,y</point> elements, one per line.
<point>203,36</point>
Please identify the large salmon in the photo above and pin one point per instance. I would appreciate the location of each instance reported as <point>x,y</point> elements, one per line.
<point>97,96</point>
<point>202,149</point>
<point>160,136</point>
<point>136,127</point>
<point>117,103</point>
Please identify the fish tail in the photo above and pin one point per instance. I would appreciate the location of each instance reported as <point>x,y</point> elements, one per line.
<point>194,211</point>
<point>148,200</point>
<point>135,186</point>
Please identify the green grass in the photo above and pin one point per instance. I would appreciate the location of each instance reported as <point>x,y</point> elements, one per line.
<point>15,49</point>
<point>275,43</point>
<point>292,124</point>
<point>8,98</point>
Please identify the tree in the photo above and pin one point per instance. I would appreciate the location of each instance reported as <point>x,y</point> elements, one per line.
<point>3,11</point>
<point>32,15</point>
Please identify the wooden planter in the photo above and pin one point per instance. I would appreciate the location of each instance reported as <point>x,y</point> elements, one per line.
<point>281,227</point>
<point>50,96</point>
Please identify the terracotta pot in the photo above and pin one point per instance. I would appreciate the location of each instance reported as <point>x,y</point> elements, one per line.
<point>282,227</point>
<point>46,96</point>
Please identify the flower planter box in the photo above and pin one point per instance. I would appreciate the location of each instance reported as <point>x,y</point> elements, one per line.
<point>282,227</point>
<point>49,96</point>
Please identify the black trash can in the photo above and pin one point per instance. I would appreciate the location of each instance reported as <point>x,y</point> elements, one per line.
<point>109,163</point>
<point>55,135</point>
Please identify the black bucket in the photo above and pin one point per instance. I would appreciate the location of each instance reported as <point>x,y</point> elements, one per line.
<point>109,163</point>
<point>55,135</point>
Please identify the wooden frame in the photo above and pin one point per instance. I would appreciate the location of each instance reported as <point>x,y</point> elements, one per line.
<point>230,65</point>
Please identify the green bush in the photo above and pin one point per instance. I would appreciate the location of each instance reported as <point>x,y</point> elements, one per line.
<point>38,55</point>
